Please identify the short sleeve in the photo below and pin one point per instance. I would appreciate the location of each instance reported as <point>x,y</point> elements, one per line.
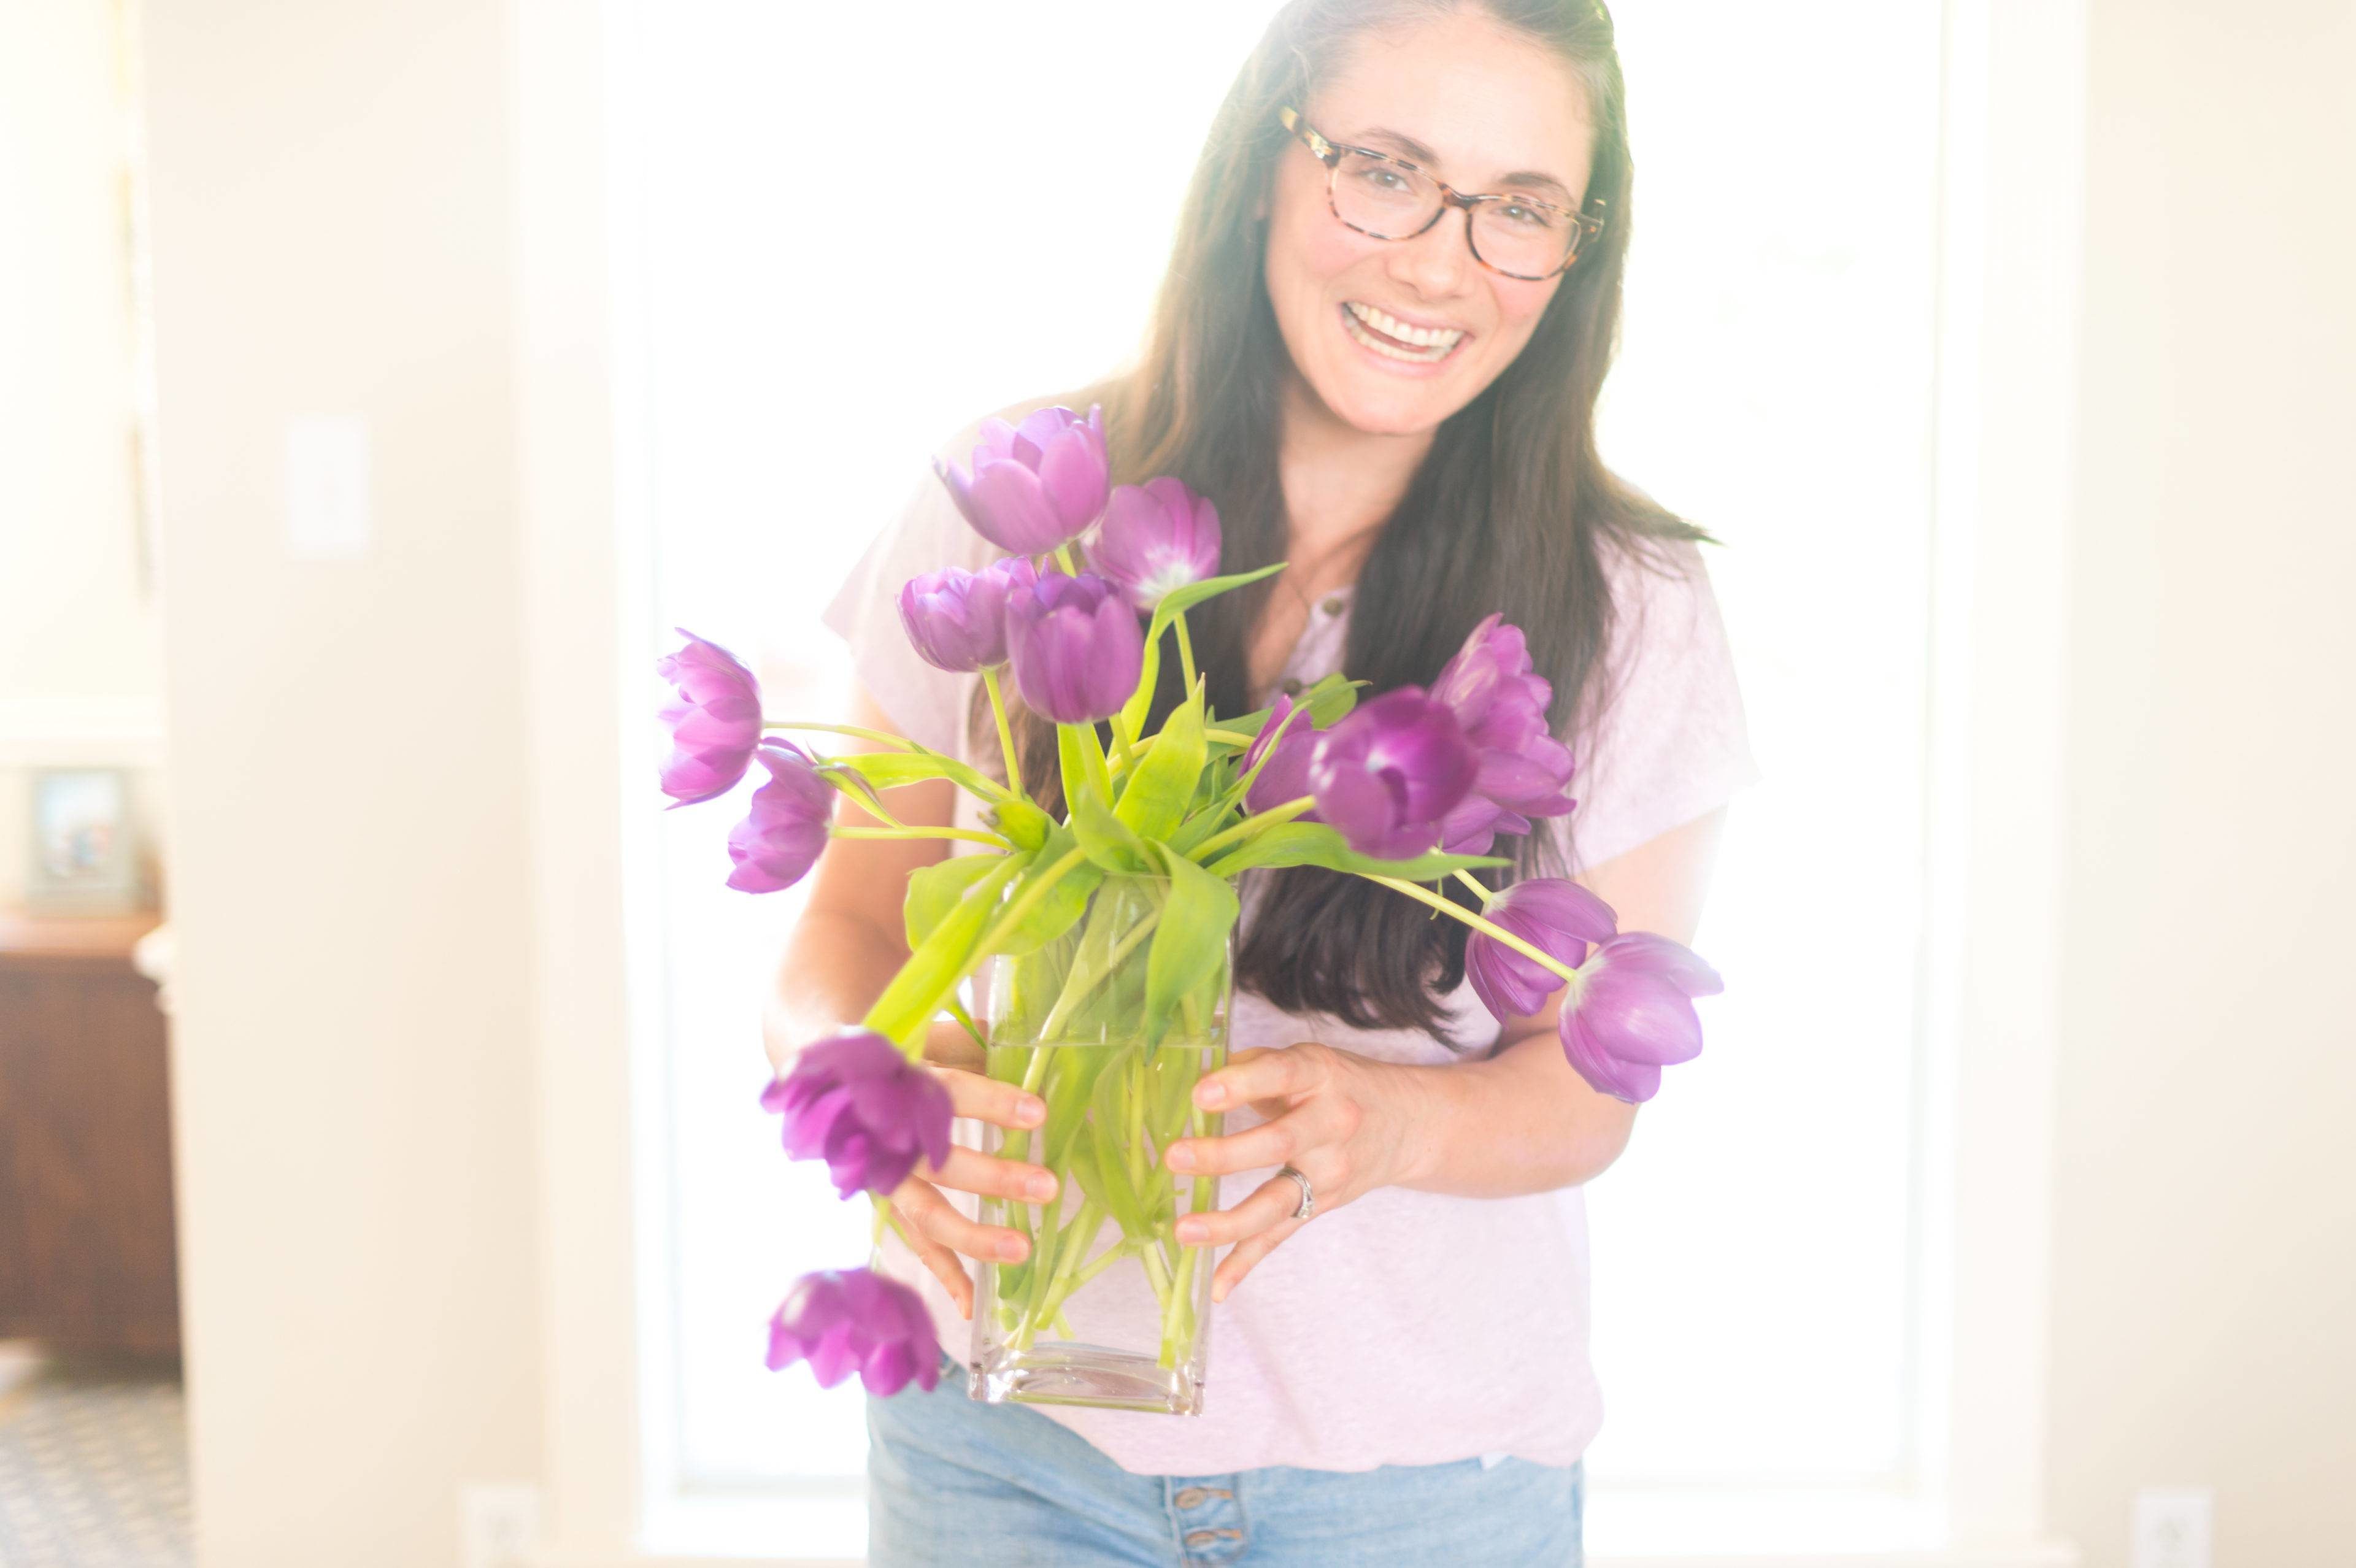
<point>925,704</point>
<point>1670,742</point>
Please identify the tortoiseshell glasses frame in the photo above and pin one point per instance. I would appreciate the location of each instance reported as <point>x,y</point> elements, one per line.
<point>1582,227</point>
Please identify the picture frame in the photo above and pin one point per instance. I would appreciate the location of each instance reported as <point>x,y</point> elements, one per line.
<point>84,846</point>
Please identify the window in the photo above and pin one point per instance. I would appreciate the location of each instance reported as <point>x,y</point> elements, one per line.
<point>1774,1255</point>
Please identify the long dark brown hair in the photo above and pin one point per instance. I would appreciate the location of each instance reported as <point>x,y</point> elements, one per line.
<point>1511,510</point>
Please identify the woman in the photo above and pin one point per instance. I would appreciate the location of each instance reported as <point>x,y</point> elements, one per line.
<point>1391,385</point>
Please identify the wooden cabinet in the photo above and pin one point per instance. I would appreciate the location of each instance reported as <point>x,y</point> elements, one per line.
<point>86,1232</point>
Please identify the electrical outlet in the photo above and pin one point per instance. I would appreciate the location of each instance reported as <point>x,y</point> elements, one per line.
<point>498,1525</point>
<point>2173,1526</point>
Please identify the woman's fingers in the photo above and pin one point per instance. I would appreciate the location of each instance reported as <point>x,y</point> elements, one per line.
<point>970,1171</point>
<point>906,1201</point>
<point>988,1100</point>
<point>1271,1203</point>
<point>930,1214</point>
<point>1305,1127</point>
<point>948,1045</point>
<point>1262,1073</point>
<point>1246,1253</point>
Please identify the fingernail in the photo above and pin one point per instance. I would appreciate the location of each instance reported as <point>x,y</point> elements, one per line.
<point>1041,1187</point>
<point>1013,1249</point>
<point>1182,1159</point>
<point>1190,1230</point>
<point>1210,1094</point>
<point>1031,1110</point>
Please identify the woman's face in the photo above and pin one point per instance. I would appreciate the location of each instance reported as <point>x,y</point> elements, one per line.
<point>1474,103</point>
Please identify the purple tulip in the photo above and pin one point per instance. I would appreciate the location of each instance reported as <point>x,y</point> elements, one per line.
<point>1035,486</point>
<point>1076,645</point>
<point>714,719</point>
<point>957,620</point>
<point>1286,777</point>
<point>854,1100</point>
<point>1156,537</point>
<point>1631,1013</point>
<point>1390,771</point>
<point>778,842</point>
<point>855,1321</point>
<point>1502,707</point>
<point>1556,916</point>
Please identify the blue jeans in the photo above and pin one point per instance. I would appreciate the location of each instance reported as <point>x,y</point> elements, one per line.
<point>998,1485</point>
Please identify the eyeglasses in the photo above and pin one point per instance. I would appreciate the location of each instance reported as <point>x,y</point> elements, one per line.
<point>1389,199</point>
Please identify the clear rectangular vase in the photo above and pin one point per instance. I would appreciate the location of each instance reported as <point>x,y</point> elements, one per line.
<point>1107,1310</point>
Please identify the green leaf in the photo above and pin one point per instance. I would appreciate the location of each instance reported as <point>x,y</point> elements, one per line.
<point>1022,821</point>
<point>1173,603</point>
<point>1117,1124</point>
<point>940,961</point>
<point>933,891</point>
<point>1154,799</point>
<point>1328,699</point>
<point>1316,844</point>
<point>1082,757</point>
<point>1069,1086</point>
<point>1109,841</point>
<point>1062,904</point>
<point>1190,942</point>
<point>889,770</point>
<point>1178,600</point>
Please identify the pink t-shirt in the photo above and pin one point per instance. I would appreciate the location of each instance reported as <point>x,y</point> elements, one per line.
<point>1405,1327</point>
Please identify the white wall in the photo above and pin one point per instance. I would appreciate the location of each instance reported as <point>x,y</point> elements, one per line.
<point>78,634</point>
<point>2204,1281</point>
<point>332,212</point>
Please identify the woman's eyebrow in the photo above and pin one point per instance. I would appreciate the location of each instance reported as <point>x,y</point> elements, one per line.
<point>1415,153</point>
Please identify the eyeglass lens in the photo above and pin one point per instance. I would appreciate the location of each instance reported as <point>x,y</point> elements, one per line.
<point>1392,202</point>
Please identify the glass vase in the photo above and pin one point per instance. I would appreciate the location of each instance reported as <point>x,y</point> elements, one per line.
<point>1107,1309</point>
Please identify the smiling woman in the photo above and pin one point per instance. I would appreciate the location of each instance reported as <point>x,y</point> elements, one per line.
<point>1401,406</point>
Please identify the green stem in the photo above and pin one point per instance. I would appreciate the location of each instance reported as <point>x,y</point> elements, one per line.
<point>1084,981</point>
<point>1064,559</point>
<point>890,743</point>
<point>1484,894</point>
<point>1250,827</point>
<point>1186,648</point>
<point>967,834</point>
<point>1005,733</point>
<point>1494,932</point>
<point>1008,919</point>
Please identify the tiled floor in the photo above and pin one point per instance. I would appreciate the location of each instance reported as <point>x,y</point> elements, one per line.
<point>93,1464</point>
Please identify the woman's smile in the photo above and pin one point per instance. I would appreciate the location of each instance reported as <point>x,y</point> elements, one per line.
<point>1405,348</point>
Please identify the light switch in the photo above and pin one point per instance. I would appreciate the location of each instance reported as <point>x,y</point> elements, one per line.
<point>327,487</point>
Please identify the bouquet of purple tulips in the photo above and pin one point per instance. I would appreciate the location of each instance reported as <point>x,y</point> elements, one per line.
<point>1089,953</point>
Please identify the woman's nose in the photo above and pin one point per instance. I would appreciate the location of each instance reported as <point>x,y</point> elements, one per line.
<point>1436,262</point>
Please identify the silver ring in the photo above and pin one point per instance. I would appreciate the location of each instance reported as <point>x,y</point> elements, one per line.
<point>1307,1194</point>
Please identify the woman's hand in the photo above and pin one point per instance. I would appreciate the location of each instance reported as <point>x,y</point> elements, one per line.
<point>1345,1122</point>
<point>930,1223</point>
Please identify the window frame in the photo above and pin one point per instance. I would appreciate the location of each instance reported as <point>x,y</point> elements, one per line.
<point>2012,170</point>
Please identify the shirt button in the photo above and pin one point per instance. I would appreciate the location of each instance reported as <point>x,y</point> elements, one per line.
<point>1289,685</point>
<point>1201,1538</point>
<point>1332,607</point>
<point>1191,1497</point>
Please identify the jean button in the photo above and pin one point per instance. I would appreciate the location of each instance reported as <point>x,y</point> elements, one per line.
<point>1201,1538</point>
<point>1190,1498</point>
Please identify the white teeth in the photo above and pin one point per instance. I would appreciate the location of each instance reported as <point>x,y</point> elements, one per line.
<point>1440,338</point>
<point>1435,343</point>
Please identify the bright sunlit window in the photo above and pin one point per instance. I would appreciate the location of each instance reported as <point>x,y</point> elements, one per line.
<point>849,247</point>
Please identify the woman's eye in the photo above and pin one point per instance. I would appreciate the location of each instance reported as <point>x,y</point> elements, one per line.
<point>1527,216</point>
<point>1382,179</point>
